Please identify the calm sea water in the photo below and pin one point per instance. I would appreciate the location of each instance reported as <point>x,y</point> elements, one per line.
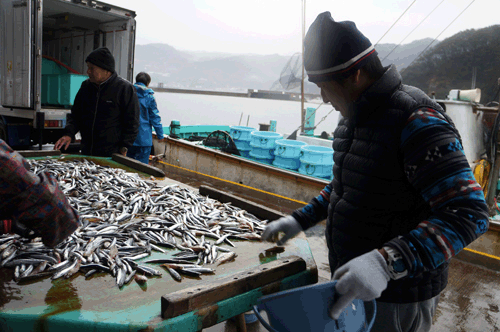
<point>192,109</point>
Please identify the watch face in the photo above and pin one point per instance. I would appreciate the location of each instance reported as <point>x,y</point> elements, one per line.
<point>398,266</point>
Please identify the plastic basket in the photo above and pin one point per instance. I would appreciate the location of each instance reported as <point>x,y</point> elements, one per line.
<point>287,148</point>
<point>306,309</point>
<point>322,171</point>
<point>262,160</point>
<point>288,163</point>
<point>264,139</point>
<point>317,155</point>
<point>262,153</point>
<point>240,133</point>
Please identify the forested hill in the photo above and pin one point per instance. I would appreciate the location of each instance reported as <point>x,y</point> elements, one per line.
<point>450,64</point>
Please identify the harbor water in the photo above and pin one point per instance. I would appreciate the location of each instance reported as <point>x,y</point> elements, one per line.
<point>193,109</point>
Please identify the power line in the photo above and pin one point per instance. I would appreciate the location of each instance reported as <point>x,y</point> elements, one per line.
<point>401,42</point>
<point>418,56</point>
<point>395,22</point>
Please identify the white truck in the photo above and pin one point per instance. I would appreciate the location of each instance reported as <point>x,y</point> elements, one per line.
<point>38,36</point>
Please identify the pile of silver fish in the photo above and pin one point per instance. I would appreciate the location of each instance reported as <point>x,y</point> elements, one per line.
<point>124,219</point>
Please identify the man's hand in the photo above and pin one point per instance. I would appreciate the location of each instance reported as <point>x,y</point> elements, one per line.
<point>22,230</point>
<point>364,278</point>
<point>62,142</point>
<point>287,225</point>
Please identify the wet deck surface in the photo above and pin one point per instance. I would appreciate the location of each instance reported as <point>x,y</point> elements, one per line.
<point>470,303</point>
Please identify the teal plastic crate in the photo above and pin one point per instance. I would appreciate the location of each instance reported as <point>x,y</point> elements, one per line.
<point>49,67</point>
<point>61,89</point>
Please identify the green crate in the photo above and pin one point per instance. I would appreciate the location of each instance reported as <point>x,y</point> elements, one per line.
<point>49,67</point>
<point>61,89</point>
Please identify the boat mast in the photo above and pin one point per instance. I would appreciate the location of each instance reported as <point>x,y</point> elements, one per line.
<point>302,109</point>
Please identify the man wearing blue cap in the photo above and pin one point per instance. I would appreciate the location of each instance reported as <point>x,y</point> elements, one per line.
<point>403,200</point>
<point>105,111</point>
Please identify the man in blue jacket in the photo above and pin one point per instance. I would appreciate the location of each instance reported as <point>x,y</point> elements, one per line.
<point>403,200</point>
<point>149,117</point>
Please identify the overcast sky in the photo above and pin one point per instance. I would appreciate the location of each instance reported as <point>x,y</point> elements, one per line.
<point>274,26</point>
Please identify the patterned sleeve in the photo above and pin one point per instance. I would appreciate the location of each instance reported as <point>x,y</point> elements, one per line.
<point>436,166</point>
<point>34,200</point>
<point>315,211</point>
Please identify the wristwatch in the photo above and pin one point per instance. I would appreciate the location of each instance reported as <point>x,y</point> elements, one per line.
<point>123,150</point>
<point>395,264</point>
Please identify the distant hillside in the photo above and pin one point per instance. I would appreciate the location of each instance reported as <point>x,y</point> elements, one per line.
<point>234,72</point>
<point>450,64</point>
<point>402,55</point>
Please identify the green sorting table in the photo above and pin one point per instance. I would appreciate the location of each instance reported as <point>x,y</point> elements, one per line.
<point>97,304</point>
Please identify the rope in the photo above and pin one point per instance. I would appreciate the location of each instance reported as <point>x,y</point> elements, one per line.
<point>395,22</point>
<point>309,117</point>
<point>71,70</point>
<point>324,118</point>
<point>401,42</point>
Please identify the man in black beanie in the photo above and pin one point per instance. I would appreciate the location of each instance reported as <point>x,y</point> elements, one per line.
<point>105,111</point>
<point>403,200</point>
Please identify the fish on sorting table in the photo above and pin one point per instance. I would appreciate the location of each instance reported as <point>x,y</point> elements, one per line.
<point>124,219</point>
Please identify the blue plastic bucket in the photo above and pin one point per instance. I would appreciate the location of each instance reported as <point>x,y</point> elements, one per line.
<point>264,139</point>
<point>259,153</point>
<point>245,153</point>
<point>262,160</point>
<point>316,161</point>
<point>306,309</point>
<point>287,153</point>
<point>241,138</point>
<point>262,143</point>
<point>321,171</point>
<point>318,155</point>
<point>288,163</point>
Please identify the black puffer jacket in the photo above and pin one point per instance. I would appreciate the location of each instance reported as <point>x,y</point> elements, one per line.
<point>106,115</point>
<point>376,200</point>
<point>372,200</point>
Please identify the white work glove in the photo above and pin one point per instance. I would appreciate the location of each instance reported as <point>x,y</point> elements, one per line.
<point>364,278</point>
<point>287,225</point>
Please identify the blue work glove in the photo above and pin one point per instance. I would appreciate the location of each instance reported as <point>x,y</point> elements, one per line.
<point>287,225</point>
<point>364,278</point>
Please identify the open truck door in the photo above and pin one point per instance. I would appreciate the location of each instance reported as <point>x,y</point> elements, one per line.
<point>21,54</point>
<point>39,38</point>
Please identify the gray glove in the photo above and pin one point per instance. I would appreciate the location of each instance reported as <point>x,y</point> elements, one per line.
<point>287,225</point>
<point>364,277</point>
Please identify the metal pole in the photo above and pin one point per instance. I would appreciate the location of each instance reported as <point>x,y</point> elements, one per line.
<point>248,119</point>
<point>40,122</point>
<point>302,110</point>
<point>241,116</point>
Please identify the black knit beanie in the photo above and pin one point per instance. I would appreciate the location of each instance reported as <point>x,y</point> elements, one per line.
<point>334,49</point>
<point>103,58</point>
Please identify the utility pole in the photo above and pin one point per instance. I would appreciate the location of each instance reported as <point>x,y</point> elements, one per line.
<point>302,108</point>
